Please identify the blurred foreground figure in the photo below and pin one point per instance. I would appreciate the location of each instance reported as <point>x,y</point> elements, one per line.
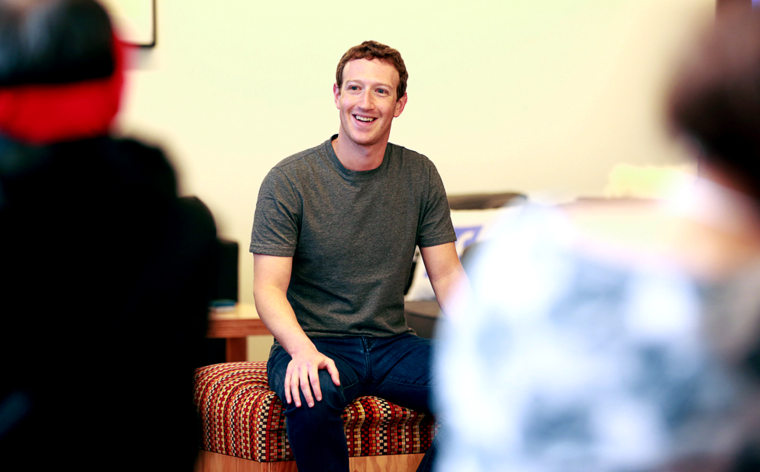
<point>106,272</point>
<point>624,336</point>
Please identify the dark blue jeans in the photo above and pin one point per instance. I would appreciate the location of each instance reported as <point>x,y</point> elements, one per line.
<point>395,368</point>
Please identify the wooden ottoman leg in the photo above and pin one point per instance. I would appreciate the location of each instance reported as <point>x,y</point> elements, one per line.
<point>213,462</point>
<point>396,463</point>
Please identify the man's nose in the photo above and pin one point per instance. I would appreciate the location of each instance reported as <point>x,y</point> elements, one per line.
<point>367,100</point>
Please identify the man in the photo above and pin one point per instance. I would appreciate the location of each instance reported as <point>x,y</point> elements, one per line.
<point>107,273</point>
<point>333,238</point>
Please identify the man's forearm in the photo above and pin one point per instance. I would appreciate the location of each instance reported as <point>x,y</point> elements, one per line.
<point>448,289</point>
<point>280,319</point>
<point>302,374</point>
<point>446,274</point>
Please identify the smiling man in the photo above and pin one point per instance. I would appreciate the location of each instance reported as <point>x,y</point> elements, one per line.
<point>334,235</point>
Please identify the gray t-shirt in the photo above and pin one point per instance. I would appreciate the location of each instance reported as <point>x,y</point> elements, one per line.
<point>352,235</point>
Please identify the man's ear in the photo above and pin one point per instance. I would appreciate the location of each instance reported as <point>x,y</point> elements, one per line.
<point>400,104</point>
<point>336,94</point>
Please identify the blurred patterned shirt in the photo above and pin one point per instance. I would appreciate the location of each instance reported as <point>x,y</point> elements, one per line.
<point>567,361</point>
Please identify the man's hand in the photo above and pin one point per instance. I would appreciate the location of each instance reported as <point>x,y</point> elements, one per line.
<point>303,373</point>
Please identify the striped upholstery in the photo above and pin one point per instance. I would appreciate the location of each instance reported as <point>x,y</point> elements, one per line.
<point>243,418</point>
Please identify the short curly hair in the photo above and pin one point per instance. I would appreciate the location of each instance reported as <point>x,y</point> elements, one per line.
<point>375,50</point>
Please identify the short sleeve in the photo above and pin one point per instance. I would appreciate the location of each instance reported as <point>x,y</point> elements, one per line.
<point>277,218</point>
<point>435,223</point>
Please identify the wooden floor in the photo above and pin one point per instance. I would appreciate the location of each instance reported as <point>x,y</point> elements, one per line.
<point>213,462</point>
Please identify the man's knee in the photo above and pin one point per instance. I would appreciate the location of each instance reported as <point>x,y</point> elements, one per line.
<point>315,419</point>
<point>333,399</point>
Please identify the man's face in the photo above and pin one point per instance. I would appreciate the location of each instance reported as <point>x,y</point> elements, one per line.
<point>367,101</point>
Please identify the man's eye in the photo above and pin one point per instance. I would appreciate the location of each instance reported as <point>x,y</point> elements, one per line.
<point>352,88</point>
<point>382,91</point>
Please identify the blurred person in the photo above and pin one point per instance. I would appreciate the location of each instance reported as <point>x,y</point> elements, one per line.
<point>623,335</point>
<point>106,271</point>
<point>334,235</point>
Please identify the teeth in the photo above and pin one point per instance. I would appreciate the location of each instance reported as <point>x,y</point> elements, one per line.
<point>365,119</point>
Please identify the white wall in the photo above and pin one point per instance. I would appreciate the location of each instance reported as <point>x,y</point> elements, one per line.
<point>543,97</point>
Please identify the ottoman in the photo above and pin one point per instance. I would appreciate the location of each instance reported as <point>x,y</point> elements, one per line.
<point>244,425</point>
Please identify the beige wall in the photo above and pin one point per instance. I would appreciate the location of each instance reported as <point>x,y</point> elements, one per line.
<point>543,97</point>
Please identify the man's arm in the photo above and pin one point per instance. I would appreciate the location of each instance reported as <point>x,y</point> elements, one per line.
<point>445,272</point>
<point>271,277</point>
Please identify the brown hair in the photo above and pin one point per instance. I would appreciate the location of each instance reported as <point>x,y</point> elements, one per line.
<point>714,99</point>
<point>375,50</point>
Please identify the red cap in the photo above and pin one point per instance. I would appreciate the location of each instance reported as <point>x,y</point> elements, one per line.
<point>46,113</point>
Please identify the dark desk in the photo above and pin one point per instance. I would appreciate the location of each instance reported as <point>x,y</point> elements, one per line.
<point>242,321</point>
<point>421,316</point>
<point>235,326</point>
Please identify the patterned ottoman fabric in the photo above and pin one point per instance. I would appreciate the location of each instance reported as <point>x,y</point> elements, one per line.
<point>242,417</point>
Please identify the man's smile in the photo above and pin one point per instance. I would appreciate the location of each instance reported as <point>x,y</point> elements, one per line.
<point>364,119</point>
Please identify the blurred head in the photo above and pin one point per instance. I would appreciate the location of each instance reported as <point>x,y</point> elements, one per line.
<point>61,70</point>
<point>374,50</point>
<point>714,99</point>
